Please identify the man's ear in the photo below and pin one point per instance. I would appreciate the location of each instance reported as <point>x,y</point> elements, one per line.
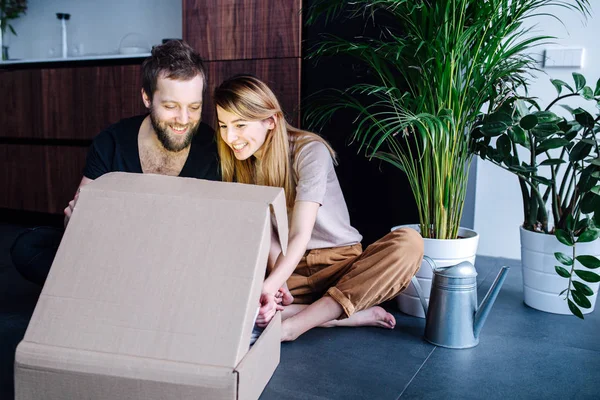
<point>146,99</point>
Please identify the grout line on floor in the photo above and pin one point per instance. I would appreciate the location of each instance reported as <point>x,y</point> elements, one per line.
<point>416,373</point>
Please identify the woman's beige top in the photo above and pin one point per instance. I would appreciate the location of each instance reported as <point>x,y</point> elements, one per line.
<point>318,182</point>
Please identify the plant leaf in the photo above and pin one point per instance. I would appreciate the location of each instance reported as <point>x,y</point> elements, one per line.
<point>553,161</point>
<point>564,237</point>
<point>493,128</point>
<point>583,223</point>
<point>597,91</point>
<point>580,151</point>
<point>504,145</point>
<point>587,93</point>
<point>547,117</point>
<point>589,203</point>
<point>562,271</point>
<point>552,143</point>
<point>569,223</point>
<point>563,258</point>
<point>558,84</point>
<point>542,180</point>
<point>580,299</point>
<point>584,118</point>
<point>528,122</point>
<point>588,276</point>
<point>545,129</point>
<point>579,81</point>
<point>574,309</point>
<point>588,236</point>
<point>596,190</point>
<point>517,135</point>
<point>583,288</point>
<point>588,261</point>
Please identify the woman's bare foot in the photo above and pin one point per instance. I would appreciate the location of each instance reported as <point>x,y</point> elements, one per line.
<point>374,316</point>
<point>316,314</point>
<point>287,297</point>
<point>287,334</point>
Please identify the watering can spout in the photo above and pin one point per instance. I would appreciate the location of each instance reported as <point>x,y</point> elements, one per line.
<point>488,301</point>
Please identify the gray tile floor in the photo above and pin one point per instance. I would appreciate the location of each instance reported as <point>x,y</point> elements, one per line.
<point>523,353</point>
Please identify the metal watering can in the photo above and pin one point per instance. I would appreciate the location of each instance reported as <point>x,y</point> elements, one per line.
<point>453,318</point>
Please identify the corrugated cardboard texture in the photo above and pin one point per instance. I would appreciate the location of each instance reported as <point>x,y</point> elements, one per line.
<point>52,373</point>
<point>153,269</point>
<point>258,365</point>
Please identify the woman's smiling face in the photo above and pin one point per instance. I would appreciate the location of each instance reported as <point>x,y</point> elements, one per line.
<point>244,137</point>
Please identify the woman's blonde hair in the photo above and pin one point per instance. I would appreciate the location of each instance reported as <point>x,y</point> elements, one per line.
<point>251,99</point>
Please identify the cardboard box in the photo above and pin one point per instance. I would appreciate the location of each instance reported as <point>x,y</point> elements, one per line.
<point>153,294</point>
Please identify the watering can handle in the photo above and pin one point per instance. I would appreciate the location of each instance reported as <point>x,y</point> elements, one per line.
<point>417,285</point>
<point>419,291</point>
<point>430,262</point>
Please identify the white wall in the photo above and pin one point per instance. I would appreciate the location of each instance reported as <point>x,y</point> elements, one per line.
<point>498,204</point>
<point>95,27</point>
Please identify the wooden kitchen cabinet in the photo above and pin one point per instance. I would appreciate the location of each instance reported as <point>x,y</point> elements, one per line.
<point>79,102</point>
<point>20,106</point>
<point>49,115</point>
<point>243,29</point>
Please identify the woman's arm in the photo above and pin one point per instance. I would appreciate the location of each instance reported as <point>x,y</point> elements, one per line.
<point>304,216</point>
<point>303,220</point>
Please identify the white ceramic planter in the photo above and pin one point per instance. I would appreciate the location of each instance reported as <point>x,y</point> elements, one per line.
<point>541,283</point>
<point>445,252</point>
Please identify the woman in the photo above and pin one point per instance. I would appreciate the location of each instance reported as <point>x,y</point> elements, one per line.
<point>332,281</point>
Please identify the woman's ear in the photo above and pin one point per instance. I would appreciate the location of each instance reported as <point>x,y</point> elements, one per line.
<point>271,122</point>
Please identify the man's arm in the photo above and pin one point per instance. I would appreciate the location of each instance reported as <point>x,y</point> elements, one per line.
<point>69,209</point>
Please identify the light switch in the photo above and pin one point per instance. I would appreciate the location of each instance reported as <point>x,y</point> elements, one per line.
<point>563,57</point>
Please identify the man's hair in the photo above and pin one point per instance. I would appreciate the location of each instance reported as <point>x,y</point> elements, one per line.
<point>174,59</point>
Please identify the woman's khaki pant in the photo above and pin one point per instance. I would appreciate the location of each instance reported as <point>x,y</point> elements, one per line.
<point>355,279</point>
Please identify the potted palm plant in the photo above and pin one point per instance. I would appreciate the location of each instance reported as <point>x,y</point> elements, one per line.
<point>557,163</point>
<point>435,65</point>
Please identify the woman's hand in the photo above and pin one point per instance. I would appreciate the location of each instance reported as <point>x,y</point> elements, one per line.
<point>268,308</point>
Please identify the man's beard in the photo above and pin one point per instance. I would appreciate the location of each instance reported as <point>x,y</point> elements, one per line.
<point>162,133</point>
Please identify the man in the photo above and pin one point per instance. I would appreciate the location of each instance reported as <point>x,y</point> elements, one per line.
<point>170,140</point>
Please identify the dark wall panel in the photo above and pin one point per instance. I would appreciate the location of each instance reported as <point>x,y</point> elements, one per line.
<point>20,108</point>
<point>38,177</point>
<point>282,76</point>
<point>81,101</point>
<point>243,29</point>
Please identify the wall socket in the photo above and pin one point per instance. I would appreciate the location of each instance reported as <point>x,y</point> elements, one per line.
<point>564,58</point>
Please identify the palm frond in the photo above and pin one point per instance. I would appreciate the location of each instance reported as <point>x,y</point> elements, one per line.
<point>453,58</point>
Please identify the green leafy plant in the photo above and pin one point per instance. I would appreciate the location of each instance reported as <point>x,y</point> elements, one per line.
<point>435,65</point>
<point>11,9</point>
<point>560,169</point>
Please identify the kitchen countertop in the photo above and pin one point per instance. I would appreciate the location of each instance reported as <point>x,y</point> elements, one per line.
<point>86,57</point>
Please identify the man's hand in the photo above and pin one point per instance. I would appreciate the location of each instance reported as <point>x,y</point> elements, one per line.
<point>68,211</point>
<point>268,308</point>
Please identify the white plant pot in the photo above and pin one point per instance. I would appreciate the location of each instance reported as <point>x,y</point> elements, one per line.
<point>445,252</point>
<point>541,284</point>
